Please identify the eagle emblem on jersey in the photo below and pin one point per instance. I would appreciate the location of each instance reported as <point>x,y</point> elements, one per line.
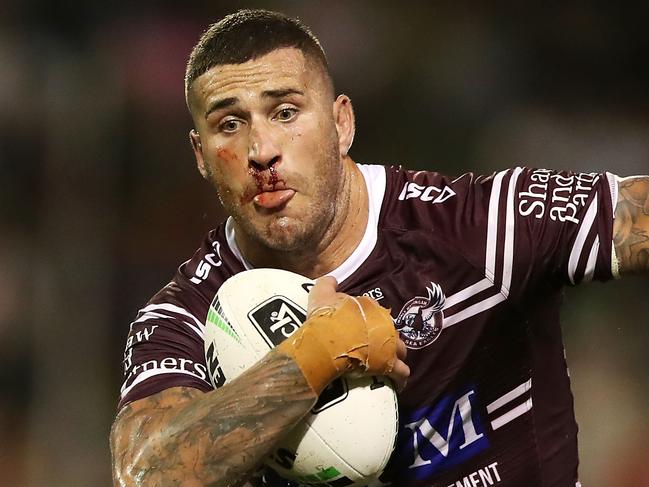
<point>420,320</point>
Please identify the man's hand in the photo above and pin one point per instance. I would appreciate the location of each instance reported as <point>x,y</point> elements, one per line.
<point>343,334</point>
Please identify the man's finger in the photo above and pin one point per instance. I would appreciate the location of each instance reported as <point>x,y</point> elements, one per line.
<point>399,375</point>
<point>323,293</point>
<point>402,351</point>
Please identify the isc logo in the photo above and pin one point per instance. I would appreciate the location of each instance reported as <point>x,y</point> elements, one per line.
<point>210,260</point>
<point>277,319</point>
<point>425,193</point>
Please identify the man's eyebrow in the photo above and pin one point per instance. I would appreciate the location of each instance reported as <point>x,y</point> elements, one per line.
<point>280,93</point>
<point>219,104</point>
<point>228,102</point>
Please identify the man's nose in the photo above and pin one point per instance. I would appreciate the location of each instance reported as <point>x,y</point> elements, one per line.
<point>263,150</point>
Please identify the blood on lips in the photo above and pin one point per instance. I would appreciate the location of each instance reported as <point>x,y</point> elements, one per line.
<point>274,178</point>
<point>258,176</point>
<point>270,188</point>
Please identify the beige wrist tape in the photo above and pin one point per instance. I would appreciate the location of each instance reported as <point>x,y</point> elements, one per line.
<point>360,333</point>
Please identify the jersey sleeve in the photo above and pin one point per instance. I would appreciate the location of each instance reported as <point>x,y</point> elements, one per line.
<point>545,225</point>
<point>165,347</point>
<point>166,343</point>
<point>521,224</point>
<point>562,222</point>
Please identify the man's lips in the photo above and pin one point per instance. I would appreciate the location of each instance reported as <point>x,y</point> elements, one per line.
<point>273,199</point>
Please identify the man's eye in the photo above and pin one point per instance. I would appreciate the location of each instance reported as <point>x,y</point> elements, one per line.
<point>231,125</point>
<point>286,114</point>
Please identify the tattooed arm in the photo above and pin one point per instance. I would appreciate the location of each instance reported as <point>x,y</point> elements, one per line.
<point>182,436</point>
<point>631,229</point>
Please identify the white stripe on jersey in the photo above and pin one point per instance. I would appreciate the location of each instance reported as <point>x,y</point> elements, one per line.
<point>473,310</point>
<point>580,240</point>
<point>492,225</point>
<point>148,316</point>
<point>232,243</point>
<point>147,374</point>
<point>198,329</point>
<point>494,243</point>
<point>512,415</point>
<point>510,396</point>
<point>614,185</point>
<point>508,263</point>
<point>375,180</point>
<point>490,257</point>
<point>466,293</point>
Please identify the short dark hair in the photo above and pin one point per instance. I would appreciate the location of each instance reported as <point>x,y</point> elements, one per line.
<point>249,34</point>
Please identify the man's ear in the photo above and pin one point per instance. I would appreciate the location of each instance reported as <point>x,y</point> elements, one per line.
<point>195,140</point>
<point>345,123</point>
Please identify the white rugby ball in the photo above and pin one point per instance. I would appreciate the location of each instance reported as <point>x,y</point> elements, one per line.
<point>349,435</point>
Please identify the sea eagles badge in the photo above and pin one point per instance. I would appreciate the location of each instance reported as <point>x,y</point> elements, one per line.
<point>420,320</point>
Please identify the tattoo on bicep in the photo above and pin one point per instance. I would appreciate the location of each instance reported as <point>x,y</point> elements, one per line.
<point>216,438</point>
<point>631,229</point>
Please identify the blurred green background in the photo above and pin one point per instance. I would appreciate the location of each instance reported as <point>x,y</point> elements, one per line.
<point>100,200</point>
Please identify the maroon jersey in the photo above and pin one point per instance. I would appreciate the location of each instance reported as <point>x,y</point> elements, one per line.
<point>472,269</point>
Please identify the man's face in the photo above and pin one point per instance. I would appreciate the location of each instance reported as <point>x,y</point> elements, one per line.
<point>268,142</point>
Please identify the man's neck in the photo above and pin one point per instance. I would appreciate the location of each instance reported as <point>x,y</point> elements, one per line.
<point>338,242</point>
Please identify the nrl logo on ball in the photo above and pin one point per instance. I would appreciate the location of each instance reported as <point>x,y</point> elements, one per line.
<point>420,320</point>
<point>277,318</point>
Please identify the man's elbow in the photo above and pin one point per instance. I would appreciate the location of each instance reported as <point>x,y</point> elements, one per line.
<point>127,454</point>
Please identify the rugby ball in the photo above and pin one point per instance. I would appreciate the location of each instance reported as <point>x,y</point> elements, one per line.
<point>349,435</point>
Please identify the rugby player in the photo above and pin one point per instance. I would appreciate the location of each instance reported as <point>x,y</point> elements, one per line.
<point>472,269</point>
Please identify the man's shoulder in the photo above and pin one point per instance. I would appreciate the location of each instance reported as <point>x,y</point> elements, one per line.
<point>419,197</point>
<point>197,279</point>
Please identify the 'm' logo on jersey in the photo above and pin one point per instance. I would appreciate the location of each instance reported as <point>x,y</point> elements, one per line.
<point>276,319</point>
<point>441,436</point>
<point>420,320</point>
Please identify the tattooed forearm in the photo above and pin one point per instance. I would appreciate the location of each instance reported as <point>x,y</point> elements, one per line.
<point>184,437</point>
<point>631,230</point>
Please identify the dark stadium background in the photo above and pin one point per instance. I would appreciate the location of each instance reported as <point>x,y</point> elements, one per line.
<point>100,200</point>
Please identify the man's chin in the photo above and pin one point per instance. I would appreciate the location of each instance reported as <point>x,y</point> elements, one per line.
<point>284,242</point>
<point>282,233</point>
<point>286,235</point>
